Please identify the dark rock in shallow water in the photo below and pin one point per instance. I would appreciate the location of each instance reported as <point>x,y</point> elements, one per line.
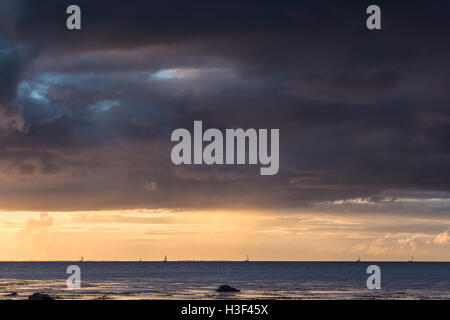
<point>40,296</point>
<point>12,294</point>
<point>227,288</point>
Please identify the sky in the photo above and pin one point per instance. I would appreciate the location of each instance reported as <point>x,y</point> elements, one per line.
<point>86,118</point>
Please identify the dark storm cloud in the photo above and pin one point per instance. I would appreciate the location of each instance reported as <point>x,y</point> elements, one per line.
<point>13,60</point>
<point>359,112</point>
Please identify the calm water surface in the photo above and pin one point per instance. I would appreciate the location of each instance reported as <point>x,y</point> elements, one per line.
<point>198,280</point>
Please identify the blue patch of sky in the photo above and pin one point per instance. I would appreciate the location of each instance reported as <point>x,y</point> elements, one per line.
<point>104,105</point>
<point>165,74</point>
<point>66,78</point>
<point>37,88</point>
<point>34,94</point>
<point>33,90</point>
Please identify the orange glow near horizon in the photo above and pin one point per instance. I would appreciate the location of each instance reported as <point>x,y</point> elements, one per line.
<point>214,235</point>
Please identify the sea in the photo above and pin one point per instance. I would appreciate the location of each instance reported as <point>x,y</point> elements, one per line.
<point>199,280</point>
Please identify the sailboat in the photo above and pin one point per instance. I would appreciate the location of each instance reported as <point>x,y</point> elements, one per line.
<point>247,260</point>
<point>140,260</point>
<point>165,259</point>
<point>81,260</point>
<point>411,259</point>
<point>358,260</point>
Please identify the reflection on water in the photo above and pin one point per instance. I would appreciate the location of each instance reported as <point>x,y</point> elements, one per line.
<point>198,280</point>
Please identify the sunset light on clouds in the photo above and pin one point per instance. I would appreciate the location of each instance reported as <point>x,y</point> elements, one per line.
<point>219,235</point>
